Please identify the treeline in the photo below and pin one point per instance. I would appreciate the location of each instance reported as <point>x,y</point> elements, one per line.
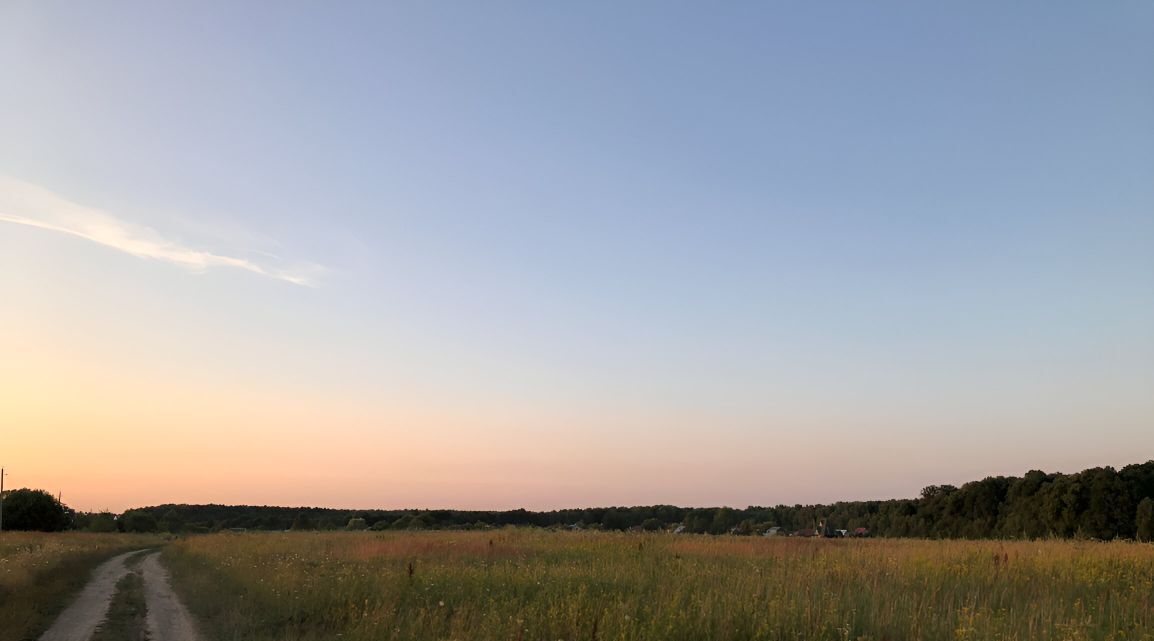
<point>1099,503</point>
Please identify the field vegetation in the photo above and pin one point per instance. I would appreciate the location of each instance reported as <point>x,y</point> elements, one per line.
<point>39,572</point>
<point>525,584</point>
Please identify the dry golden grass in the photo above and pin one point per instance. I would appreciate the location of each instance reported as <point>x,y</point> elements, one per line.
<point>549,585</point>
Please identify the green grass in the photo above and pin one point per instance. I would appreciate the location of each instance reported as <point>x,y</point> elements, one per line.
<point>41,572</point>
<point>524,584</point>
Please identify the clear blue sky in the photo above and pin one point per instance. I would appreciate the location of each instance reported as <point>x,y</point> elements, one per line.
<point>559,255</point>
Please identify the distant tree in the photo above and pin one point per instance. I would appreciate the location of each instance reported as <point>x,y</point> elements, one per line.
<point>937,491</point>
<point>138,521</point>
<point>1021,512</point>
<point>1108,505</point>
<point>356,524</point>
<point>302,522</point>
<point>724,518</point>
<point>1100,503</point>
<point>34,510</point>
<point>651,524</point>
<point>404,522</point>
<point>746,527</point>
<point>698,520</point>
<point>80,520</point>
<point>1063,505</point>
<point>102,522</point>
<point>172,522</point>
<point>1140,479</point>
<point>615,519</point>
<point>1144,522</point>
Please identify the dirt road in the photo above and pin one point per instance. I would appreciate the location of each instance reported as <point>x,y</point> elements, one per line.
<point>167,618</point>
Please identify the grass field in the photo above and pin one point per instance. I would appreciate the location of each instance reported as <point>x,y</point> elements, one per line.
<point>525,584</point>
<point>39,572</point>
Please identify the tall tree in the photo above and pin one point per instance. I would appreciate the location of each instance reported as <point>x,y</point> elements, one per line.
<point>1108,505</point>
<point>38,510</point>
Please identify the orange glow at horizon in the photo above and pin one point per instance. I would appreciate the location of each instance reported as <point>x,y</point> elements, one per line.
<point>112,435</point>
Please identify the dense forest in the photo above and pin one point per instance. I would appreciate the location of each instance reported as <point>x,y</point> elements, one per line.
<point>1098,503</point>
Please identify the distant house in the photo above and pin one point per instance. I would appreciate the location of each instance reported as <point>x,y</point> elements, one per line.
<point>773,531</point>
<point>806,532</point>
<point>861,532</point>
<point>680,529</point>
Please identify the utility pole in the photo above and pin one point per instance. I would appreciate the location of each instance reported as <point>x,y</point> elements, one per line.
<point>1,499</point>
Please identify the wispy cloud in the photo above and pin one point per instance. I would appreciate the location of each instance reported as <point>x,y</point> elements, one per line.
<point>24,203</point>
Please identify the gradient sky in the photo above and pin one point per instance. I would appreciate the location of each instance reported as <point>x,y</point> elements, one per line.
<point>490,255</point>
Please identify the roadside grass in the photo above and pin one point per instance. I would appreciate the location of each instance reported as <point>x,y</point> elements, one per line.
<point>528,584</point>
<point>41,572</point>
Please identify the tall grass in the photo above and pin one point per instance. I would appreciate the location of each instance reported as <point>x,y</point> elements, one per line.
<point>520,584</point>
<point>39,572</point>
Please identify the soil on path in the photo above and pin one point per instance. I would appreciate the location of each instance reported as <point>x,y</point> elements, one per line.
<point>167,619</point>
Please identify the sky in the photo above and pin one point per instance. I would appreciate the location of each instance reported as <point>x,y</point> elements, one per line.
<point>544,255</point>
